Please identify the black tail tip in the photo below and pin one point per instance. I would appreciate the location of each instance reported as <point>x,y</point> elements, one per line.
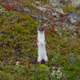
<point>39,62</point>
<point>43,61</point>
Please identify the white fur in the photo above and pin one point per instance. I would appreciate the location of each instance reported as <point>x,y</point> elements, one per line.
<point>42,54</point>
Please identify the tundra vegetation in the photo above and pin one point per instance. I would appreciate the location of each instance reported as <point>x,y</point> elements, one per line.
<point>18,47</point>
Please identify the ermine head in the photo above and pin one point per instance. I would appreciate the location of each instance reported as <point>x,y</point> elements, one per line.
<point>43,27</point>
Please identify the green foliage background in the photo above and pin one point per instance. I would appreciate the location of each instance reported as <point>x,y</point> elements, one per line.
<point>18,34</point>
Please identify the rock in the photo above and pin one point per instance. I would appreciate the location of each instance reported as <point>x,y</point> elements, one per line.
<point>75,3</point>
<point>27,10</point>
<point>59,10</point>
<point>73,17</point>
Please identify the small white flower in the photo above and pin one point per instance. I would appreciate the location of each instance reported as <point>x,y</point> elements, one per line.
<point>59,75</point>
<point>53,73</point>
<point>53,68</point>
<point>17,62</point>
<point>56,73</point>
